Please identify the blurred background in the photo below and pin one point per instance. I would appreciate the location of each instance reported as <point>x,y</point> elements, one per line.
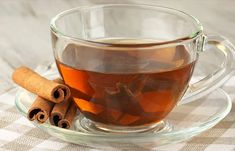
<point>25,34</point>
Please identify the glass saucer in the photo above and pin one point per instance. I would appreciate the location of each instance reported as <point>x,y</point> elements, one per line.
<point>185,121</point>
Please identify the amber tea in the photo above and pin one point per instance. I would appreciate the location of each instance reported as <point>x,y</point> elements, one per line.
<point>126,87</point>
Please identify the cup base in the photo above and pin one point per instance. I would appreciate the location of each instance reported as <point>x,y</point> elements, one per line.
<point>85,125</point>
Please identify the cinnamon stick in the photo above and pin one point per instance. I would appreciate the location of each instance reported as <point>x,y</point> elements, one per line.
<point>67,121</point>
<point>60,81</point>
<point>41,117</point>
<point>59,110</point>
<point>39,85</point>
<point>40,110</point>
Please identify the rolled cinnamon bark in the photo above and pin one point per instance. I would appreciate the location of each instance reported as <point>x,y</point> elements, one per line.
<point>67,121</point>
<point>41,117</point>
<point>58,112</point>
<point>40,110</point>
<point>68,93</point>
<point>39,85</point>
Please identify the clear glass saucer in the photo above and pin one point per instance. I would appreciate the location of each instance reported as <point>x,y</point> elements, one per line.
<point>184,122</point>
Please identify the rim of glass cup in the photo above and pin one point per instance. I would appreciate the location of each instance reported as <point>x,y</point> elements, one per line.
<point>193,35</point>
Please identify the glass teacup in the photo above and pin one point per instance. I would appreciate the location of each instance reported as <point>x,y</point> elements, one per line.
<point>129,65</point>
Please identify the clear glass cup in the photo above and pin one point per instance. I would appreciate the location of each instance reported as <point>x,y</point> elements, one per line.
<point>129,65</point>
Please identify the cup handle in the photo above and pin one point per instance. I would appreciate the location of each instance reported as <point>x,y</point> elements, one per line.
<point>219,76</point>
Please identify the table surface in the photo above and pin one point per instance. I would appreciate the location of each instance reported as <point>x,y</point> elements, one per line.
<point>25,40</point>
